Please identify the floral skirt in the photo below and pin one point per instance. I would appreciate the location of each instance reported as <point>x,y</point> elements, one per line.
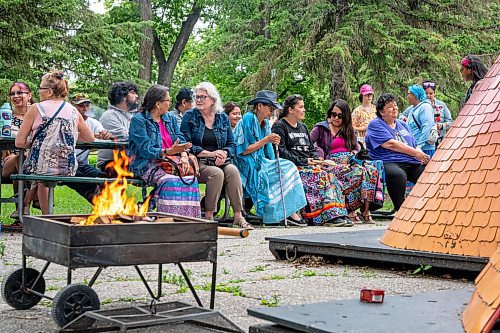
<point>325,200</point>
<point>360,182</point>
<point>171,195</point>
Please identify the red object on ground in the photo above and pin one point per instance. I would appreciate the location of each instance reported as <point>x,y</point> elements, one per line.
<point>372,295</point>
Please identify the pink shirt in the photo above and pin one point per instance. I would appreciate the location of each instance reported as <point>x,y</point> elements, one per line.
<point>338,146</point>
<point>166,139</point>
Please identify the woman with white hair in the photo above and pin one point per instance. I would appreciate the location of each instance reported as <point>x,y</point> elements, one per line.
<point>208,128</point>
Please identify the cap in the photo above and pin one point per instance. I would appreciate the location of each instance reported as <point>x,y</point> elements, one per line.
<point>185,93</point>
<point>80,98</point>
<point>267,97</point>
<point>366,89</point>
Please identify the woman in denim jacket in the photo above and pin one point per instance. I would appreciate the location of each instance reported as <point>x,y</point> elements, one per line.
<point>208,128</point>
<point>154,133</point>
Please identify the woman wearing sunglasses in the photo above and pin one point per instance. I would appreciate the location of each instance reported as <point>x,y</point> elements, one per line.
<point>325,201</point>
<point>21,98</point>
<point>335,139</point>
<point>442,115</point>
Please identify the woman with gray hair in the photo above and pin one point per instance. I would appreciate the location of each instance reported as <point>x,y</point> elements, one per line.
<point>208,128</point>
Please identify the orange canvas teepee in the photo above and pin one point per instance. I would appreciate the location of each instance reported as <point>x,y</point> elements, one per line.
<point>483,309</point>
<point>455,206</point>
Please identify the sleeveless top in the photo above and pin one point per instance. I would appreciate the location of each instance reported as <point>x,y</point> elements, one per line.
<point>53,150</point>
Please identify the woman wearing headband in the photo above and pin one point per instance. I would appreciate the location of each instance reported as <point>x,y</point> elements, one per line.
<point>472,69</point>
<point>442,115</point>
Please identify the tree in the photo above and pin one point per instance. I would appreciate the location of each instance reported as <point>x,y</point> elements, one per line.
<point>146,47</point>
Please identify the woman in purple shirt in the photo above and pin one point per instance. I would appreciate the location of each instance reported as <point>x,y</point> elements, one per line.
<point>390,140</point>
<point>335,139</point>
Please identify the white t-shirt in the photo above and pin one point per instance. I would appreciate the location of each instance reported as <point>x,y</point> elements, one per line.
<point>82,156</point>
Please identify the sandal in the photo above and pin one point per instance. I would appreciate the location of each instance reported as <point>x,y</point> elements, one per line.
<point>242,223</point>
<point>353,216</point>
<point>366,218</point>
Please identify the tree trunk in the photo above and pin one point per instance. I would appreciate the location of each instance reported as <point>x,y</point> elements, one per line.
<point>166,67</point>
<point>146,47</point>
<point>338,84</point>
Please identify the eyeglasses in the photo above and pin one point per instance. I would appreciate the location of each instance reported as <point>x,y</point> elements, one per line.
<point>336,115</point>
<point>431,85</point>
<point>200,97</point>
<point>17,93</point>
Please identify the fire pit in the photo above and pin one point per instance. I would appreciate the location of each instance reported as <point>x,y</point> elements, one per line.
<point>55,239</point>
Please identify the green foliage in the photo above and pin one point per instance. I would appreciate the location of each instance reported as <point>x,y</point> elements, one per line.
<point>2,249</point>
<point>272,302</point>
<point>422,269</point>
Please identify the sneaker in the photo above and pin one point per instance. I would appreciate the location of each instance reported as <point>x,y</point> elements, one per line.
<point>296,223</point>
<point>242,223</point>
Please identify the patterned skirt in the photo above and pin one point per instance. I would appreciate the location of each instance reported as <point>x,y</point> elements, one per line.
<point>360,182</point>
<point>171,195</point>
<point>325,200</point>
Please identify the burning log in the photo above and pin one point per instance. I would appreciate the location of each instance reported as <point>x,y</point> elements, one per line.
<point>103,219</point>
<point>77,219</point>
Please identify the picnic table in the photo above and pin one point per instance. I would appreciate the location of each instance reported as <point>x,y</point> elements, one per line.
<point>9,143</point>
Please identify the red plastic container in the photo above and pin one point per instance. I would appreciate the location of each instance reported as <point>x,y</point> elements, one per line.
<point>372,295</point>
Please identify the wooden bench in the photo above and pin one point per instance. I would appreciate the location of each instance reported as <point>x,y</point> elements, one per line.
<point>52,181</point>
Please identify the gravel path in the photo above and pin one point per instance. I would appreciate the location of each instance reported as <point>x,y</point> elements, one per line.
<point>248,276</point>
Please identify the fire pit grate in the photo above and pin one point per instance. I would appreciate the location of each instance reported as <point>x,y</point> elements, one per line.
<point>171,315</point>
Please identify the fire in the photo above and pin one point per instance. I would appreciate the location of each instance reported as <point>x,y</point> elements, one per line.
<point>113,199</point>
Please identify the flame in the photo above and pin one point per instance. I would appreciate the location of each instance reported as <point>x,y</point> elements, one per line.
<point>113,199</point>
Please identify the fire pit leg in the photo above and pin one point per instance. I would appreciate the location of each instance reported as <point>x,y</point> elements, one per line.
<point>214,283</point>
<point>143,279</point>
<point>190,285</point>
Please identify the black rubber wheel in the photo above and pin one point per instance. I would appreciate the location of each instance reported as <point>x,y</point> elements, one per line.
<point>73,301</point>
<point>13,294</point>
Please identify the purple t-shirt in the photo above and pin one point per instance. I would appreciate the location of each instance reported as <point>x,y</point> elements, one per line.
<point>379,132</point>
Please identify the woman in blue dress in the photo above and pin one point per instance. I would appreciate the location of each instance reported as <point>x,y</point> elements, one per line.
<point>256,161</point>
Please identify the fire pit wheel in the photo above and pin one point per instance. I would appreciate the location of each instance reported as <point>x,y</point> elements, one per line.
<point>72,301</point>
<point>12,291</point>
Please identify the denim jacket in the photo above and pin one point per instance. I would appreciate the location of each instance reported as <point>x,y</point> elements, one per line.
<point>193,128</point>
<point>145,139</point>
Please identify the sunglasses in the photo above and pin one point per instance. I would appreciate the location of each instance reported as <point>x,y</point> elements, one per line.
<point>431,85</point>
<point>336,115</point>
<point>17,93</point>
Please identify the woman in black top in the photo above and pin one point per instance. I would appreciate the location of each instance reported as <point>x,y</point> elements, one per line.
<point>325,200</point>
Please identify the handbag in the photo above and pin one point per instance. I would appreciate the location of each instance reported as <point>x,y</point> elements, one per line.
<point>171,165</point>
<point>210,161</point>
<point>362,154</point>
<point>433,134</point>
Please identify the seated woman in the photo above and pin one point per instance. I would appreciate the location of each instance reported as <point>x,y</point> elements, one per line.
<point>258,167</point>
<point>390,140</point>
<point>50,129</point>
<point>335,139</point>
<point>208,128</point>
<point>233,111</point>
<point>154,133</point>
<point>325,201</point>
<point>21,98</point>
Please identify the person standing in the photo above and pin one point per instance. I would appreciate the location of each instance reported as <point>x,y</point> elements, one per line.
<point>364,113</point>
<point>442,115</point>
<point>83,103</point>
<point>472,69</point>
<point>116,119</point>
<point>183,102</point>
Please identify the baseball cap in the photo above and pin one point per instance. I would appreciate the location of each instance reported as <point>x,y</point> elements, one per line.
<point>80,98</point>
<point>184,93</point>
<point>366,89</point>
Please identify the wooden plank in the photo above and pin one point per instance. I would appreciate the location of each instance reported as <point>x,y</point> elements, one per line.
<point>431,312</point>
<point>119,255</point>
<point>365,245</point>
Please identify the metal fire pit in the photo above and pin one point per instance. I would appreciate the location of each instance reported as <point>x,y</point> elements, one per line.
<point>56,240</point>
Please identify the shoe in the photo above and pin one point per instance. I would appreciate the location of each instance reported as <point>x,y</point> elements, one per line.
<point>242,223</point>
<point>353,216</point>
<point>366,218</point>
<point>14,215</point>
<point>296,223</point>
<point>338,222</point>
<point>16,226</point>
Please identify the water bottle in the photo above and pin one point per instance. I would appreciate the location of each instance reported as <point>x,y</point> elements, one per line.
<point>6,121</point>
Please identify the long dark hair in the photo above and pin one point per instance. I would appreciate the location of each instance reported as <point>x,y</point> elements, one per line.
<point>346,130</point>
<point>473,62</point>
<point>229,106</point>
<point>288,103</point>
<point>156,93</point>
